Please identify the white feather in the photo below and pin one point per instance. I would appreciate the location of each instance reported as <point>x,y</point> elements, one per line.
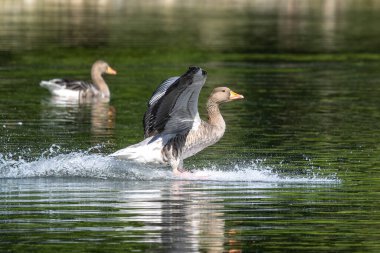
<point>66,93</point>
<point>197,122</point>
<point>146,151</point>
<point>59,90</point>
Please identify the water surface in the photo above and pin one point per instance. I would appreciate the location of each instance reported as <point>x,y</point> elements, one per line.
<point>297,169</point>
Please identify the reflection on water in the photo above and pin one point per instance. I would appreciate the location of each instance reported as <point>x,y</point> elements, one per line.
<point>183,219</point>
<point>194,216</point>
<point>101,24</point>
<point>59,111</point>
<point>102,119</point>
<point>166,216</point>
<point>170,215</point>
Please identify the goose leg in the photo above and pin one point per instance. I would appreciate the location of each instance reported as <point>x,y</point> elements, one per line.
<point>177,166</point>
<point>179,170</point>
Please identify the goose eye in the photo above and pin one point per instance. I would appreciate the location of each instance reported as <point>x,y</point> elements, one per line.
<point>224,90</point>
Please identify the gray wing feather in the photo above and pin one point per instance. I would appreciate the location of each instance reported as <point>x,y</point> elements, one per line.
<point>173,105</point>
<point>68,84</point>
<point>162,89</point>
<point>184,111</point>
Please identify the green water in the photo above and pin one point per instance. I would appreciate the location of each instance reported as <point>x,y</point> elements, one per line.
<point>297,169</point>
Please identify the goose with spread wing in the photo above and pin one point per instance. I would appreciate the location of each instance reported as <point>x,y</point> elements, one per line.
<point>82,89</point>
<point>173,130</point>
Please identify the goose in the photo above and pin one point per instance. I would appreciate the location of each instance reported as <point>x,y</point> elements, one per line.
<point>80,89</point>
<point>173,130</point>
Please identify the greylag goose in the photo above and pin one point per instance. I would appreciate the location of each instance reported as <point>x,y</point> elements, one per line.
<point>173,130</point>
<point>81,89</point>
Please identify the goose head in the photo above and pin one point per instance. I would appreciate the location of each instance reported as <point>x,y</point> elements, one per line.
<point>223,94</point>
<point>103,67</point>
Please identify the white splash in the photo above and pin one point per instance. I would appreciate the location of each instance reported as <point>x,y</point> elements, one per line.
<point>52,163</point>
<point>254,174</point>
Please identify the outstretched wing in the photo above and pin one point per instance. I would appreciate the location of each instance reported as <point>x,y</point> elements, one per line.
<point>174,105</point>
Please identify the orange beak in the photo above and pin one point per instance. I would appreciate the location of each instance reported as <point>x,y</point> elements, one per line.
<point>111,71</point>
<point>235,96</point>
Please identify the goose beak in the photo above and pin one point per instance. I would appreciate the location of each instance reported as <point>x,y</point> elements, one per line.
<point>111,71</point>
<point>235,96</point>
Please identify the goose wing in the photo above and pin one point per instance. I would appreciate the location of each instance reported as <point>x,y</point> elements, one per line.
<point>60,83</point>
<point>74,84</point>
<point>174,105</point>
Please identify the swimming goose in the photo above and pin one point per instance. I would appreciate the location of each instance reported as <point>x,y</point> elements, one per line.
<point>81,89</point>
<point>173,130</point>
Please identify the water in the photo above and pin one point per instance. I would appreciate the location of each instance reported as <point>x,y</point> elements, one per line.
<point>297,169</point>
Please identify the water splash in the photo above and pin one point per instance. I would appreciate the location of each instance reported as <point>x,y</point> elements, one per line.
<point>52,163</point>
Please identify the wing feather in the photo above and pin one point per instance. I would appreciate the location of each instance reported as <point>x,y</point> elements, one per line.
<point>162,89</point>
<point>77,85</point>
<point>174,105</point>
<point>70,84</point>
